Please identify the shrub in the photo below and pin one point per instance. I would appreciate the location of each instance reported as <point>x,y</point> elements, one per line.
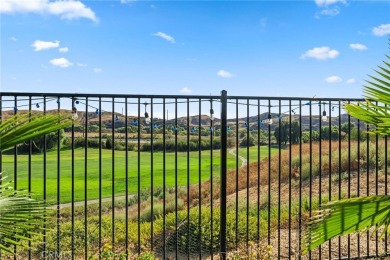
<point>38,144</point>
<point>146,256</point>
<point>245,142</point>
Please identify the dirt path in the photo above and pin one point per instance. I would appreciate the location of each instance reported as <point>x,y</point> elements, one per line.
<point>244,161</point>
<point>93,201</point>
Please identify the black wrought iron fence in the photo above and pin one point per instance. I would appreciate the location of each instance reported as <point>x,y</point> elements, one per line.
<point>193,176</point>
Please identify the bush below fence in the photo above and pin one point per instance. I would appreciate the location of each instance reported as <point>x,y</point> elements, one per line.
<point>193,238</point>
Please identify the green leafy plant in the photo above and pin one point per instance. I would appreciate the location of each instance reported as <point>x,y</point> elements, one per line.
<point>358,214</point>
<point>21,216</point>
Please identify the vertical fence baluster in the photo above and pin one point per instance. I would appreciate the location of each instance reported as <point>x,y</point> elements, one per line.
<point>188,177</point>
<point>258,174</point>
<point>211,180</point>
<point>176,183</point>
<point>386,183</point>
<point>349,175</point>
<point>73,180</point>
<point>237,176</point>
<point>126,178</point>
<point>320,165</point>
<point>223,173</point>
<point>113,120</point>
<point>339,172</point>
<point>44,175</point>
<point>15,162</point>
<point>300,182</point>
<point>247,172</point>
<point>376,183</point>
<point>1,152</point>
<point>290,140</point>
<point>151,174</point>
<point>269,173</point>
<point>58,247</point>
<point>30,170</point>
<point>330,135</point>
<point>200,177</point>
<point>164,182</point>
<point>310,162</point>
<point>100,176</point>
<point>139,175</point>
<point>368,182</point>
<point>86,179</point>
<point>358,178</point>
<point>279,170</point>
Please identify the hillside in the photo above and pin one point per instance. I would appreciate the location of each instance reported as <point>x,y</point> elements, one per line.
<point>106,117</point>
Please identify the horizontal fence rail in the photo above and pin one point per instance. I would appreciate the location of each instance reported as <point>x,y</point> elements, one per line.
<point>193,177</point>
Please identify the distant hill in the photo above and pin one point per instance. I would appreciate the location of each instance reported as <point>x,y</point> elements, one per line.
<point>106,117</point>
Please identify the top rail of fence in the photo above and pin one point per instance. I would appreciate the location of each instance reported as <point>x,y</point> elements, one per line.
<point>175,96</point>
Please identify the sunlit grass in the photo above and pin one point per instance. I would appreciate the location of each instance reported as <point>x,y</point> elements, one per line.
<point>96,168</point>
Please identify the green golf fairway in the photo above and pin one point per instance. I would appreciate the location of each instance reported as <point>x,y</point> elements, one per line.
<point>113,184</point>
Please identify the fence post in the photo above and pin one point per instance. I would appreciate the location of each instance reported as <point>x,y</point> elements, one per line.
<point>223,174</point>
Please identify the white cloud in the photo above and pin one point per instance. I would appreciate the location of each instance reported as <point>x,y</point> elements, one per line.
<point>42,45</point>
<point>320,53</point>
<point>329,2</point>
<point>63,49</point>
<point>329,7</point>
<point>81,64</point>
<point>68,10</point>
<point>333,79</point>
<point>351,81</point>
<point>358,46</point>
<point>13,39</point>
<point>165,36</point>
<point>330,11</point>
<point>97,70</point>
<point>381,30</point>
<point>224,74</point>
<point>61,62</point>
<point>127,1</point>
<point>185,90</point>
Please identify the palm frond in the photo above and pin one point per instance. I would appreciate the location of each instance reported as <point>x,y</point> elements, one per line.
<point>346,216</point>
<point>353,215</point>
<point>20,216</point>
<point>376,110</point>
<point>21,128</point>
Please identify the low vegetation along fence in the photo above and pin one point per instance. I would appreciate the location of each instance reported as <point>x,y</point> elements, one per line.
<point>193,176</point>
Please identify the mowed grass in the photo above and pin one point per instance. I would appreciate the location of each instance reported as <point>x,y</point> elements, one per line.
<point>254,153</point>
<point>109,176</point>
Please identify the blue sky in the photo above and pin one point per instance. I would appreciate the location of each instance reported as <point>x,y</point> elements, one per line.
<point>322,48</point>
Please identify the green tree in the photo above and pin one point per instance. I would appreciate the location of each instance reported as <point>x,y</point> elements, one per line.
<point>281,132</point>
<point>362,213</point>
<point>305,136</point>
<point>358,135</point>
<point>38,144</point>
<point>328,133</point>
<point>346,128</point>
<point>295,132</point>
<point>284,129</point>
<point>20,215</point>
